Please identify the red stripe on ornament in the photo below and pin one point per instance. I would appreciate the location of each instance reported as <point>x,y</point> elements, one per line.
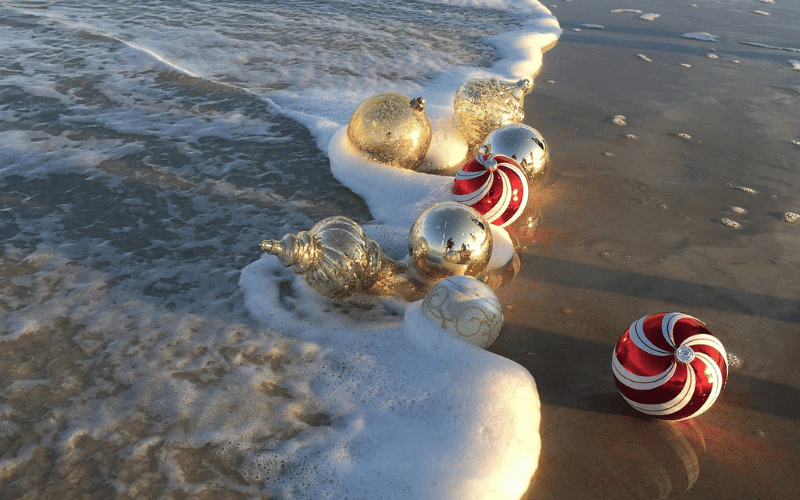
<point>638,361</point>
<point>667,391</point>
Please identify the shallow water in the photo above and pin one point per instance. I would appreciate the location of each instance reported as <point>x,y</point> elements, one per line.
<point>146,149</point>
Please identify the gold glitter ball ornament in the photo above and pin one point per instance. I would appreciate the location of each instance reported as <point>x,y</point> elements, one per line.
<point>485,104</point>
<point>391,129</point>
<point>466,308</point>
<point>450,239</point>
<point>335,257</point>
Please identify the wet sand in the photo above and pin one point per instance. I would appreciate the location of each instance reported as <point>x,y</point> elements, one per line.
<point>681,208</point>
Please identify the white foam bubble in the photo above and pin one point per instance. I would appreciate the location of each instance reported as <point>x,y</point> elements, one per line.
<point>730,223</point>
<point>702,36</point>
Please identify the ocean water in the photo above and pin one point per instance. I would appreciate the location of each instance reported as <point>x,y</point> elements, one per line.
<point>147,348</point>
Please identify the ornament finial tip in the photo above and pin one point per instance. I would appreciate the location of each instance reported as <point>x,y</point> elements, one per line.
<point>269,246</point>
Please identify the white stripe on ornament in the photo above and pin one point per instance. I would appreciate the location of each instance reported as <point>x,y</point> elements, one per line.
<point>524,178</point>
<point>483,160</point>
<point>641,382</point>
<point>464,175</point>
<point>668,325</point>
<point>478,194</point>
<point>707,340</point>
<point>674,405</point>
<point>505,199</point>
<point>715,375</point>
<point>642,342</point>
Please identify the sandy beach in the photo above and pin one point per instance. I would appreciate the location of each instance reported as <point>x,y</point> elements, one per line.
<point>636,220</point>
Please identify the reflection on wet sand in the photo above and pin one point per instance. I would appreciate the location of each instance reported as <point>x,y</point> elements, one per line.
<point>654,460</point>
<point>628,457</point>
<point>591,455</point>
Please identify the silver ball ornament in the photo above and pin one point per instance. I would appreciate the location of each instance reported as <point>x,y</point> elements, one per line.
<point>522,143</point>
<point>450,239</point>
<point>392,129</point>
<point>466,308</point>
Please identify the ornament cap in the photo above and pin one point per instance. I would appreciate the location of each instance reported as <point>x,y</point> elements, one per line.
<point>684,354</point>
<point>418,104</point>
<point>489,162</point>
<point>525,85</point>
<point>299,251</point>
<point>269,246</point>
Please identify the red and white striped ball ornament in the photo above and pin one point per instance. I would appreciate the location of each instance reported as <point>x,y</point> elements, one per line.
<point>670,366</point>
<point>494,185</point>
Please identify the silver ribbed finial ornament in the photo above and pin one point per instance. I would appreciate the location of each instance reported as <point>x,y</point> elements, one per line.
<point>335,257</point>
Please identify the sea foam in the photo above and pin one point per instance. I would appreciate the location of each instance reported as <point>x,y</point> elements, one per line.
<point>150,152</point>
<point>418,413</point>
<point>414,391</point>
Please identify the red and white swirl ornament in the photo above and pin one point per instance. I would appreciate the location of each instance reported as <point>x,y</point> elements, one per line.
<point>670,366</point>
<point>494,185</point>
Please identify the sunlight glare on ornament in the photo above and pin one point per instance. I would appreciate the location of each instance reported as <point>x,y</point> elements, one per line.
<point>449,239</point>
<point>391,129</point>
<point>523,144</point>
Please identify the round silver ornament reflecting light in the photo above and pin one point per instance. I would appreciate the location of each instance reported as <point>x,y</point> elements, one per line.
<point>484,104</point>
<point>450,239</point>
<point>392,129</point>
<point>466,308</point>
<point>335,257</point>
<point>522,143</point>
